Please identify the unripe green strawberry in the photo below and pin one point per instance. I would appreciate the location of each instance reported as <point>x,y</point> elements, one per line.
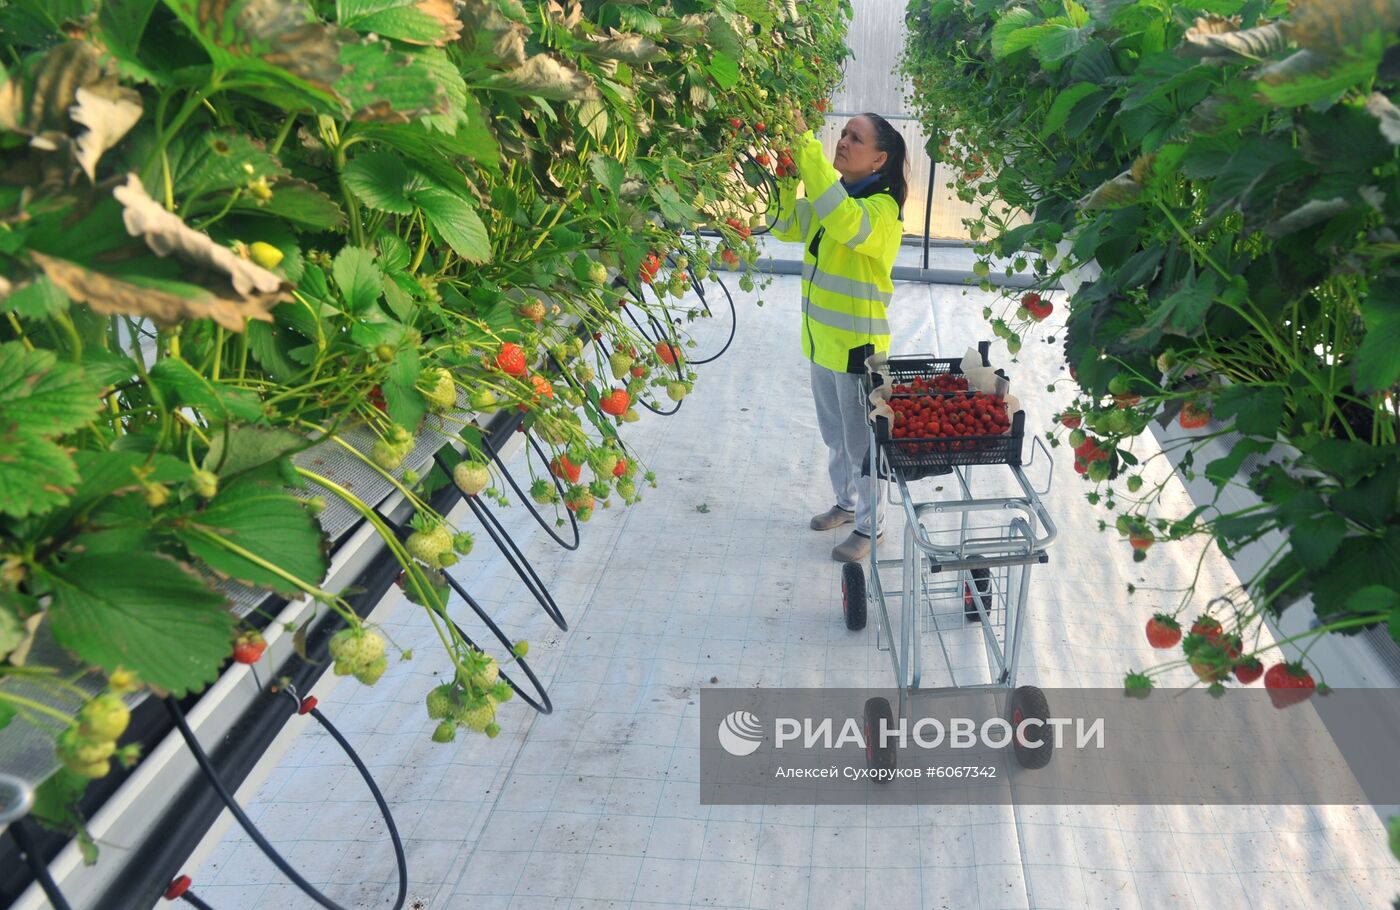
<point>1078,437</point>
<point>205,483</point>
<point>702,270</point>
<point>682,262</point>
<point>626,489</point>
<point>675,390</point>
<point>344,646</point>
<point>476,714</point>
<point>486,677</point>
<point>585,374</point>
<point>598,273</point>
<point>447,559</point>
<point>156,494</point>
<point>575,346</point>
<point>1134,483</point>
<point>105,717</point>
<point>1099,471</point>
<point>584,514</point>
<point>620,363</point>
<point>369,647</point>
<point>264,254</point>
<point>471,477</point>
<point>445,732</point>
<point>93,770</point>
<point>344,668</point>
<point>73,745</point>
<point>542,491</point>
<point>387,455</point>
<point>441,392</point>
<point>603,463</point>
<point>492,730</point>
<point>483,400</point>
<point>428,546</point>
<point>385,353</point>
<point>399,436</point>
<point>442,702</point>
<point>370,673</point>
<point>462,542</point>
<point>631,416</point>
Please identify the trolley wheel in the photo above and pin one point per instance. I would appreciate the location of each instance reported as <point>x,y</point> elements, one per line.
<point>1029,702</point>
<point>878,756</point>
<point>853,595</point>
<point>983,579</point>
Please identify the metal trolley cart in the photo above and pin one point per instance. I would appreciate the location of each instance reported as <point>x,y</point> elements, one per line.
<point>966,561</point>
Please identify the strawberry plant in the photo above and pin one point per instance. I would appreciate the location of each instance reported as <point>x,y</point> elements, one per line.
<point>1217,184</point>
<point>226,231</point>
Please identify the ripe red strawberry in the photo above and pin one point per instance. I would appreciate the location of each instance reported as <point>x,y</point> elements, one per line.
<point>564,469</point>
<point>1288,684</point>
<point>761,127</point>
<point>1163,631</point>
<point>1141,540</point>
<point>615,402</point>
<point>781,171</point>
<point>735,123</point>
<point>1071,420</point>
<point>620,468</point>
<point>1208,627</point>
<point>1193,416</point>
<point>667,352</point>
<point>821,102</point>
<point>249,648</point>
<point>763,159</point>
<point>1247,671</point>
<point>542,387</point>
<point>511,359</point>
<point>1126,400</point>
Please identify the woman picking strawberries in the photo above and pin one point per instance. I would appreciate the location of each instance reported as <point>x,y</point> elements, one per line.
<point>852,222</point>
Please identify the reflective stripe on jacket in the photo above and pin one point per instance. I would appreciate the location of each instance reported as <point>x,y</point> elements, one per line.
<point>845,274</point>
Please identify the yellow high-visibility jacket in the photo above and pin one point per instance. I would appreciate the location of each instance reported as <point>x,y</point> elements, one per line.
<point>846,270</point>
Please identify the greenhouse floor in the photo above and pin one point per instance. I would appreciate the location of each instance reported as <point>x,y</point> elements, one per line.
<point>715,579</point>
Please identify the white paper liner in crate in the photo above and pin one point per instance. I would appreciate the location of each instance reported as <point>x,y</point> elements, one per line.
<point>979,379</point>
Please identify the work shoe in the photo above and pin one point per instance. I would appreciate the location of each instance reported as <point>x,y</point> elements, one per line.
<point>853,548</point>
<point>833,517</point>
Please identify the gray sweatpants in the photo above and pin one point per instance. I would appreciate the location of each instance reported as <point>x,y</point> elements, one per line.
<point>841,416</point>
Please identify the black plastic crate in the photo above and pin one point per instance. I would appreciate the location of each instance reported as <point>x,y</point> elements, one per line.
<point>915,456</point>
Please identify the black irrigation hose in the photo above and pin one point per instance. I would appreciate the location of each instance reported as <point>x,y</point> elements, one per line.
<point>32,857</point>
<point>733,326</point>
<point>517,559</point>
<point>544,705</point>
<point>207,767</point>
<point>529,503</point>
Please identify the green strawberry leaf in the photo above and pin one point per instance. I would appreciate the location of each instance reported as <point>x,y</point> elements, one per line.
<point>189,387</point>
<point>401,396</point>
<point>298,202</point>
<point>411,21</point>
<point>380,179</point>
<point>358,278</point>
<point>143,612</point>
<point>456,221</point>
<point>39,398</point>
<point>246,448</point>
<point>45,397</point>
<point>268,526</point>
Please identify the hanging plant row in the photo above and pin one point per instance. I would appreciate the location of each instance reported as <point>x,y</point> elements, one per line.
<point>230,230</point>
<point>1218,186</point>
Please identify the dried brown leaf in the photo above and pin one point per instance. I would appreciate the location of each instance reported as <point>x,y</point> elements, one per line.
<point>166,233</point>
<point>108,112</point>
<point>108,295</point>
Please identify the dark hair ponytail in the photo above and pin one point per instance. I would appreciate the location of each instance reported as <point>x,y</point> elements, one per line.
<point>896,170</point>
